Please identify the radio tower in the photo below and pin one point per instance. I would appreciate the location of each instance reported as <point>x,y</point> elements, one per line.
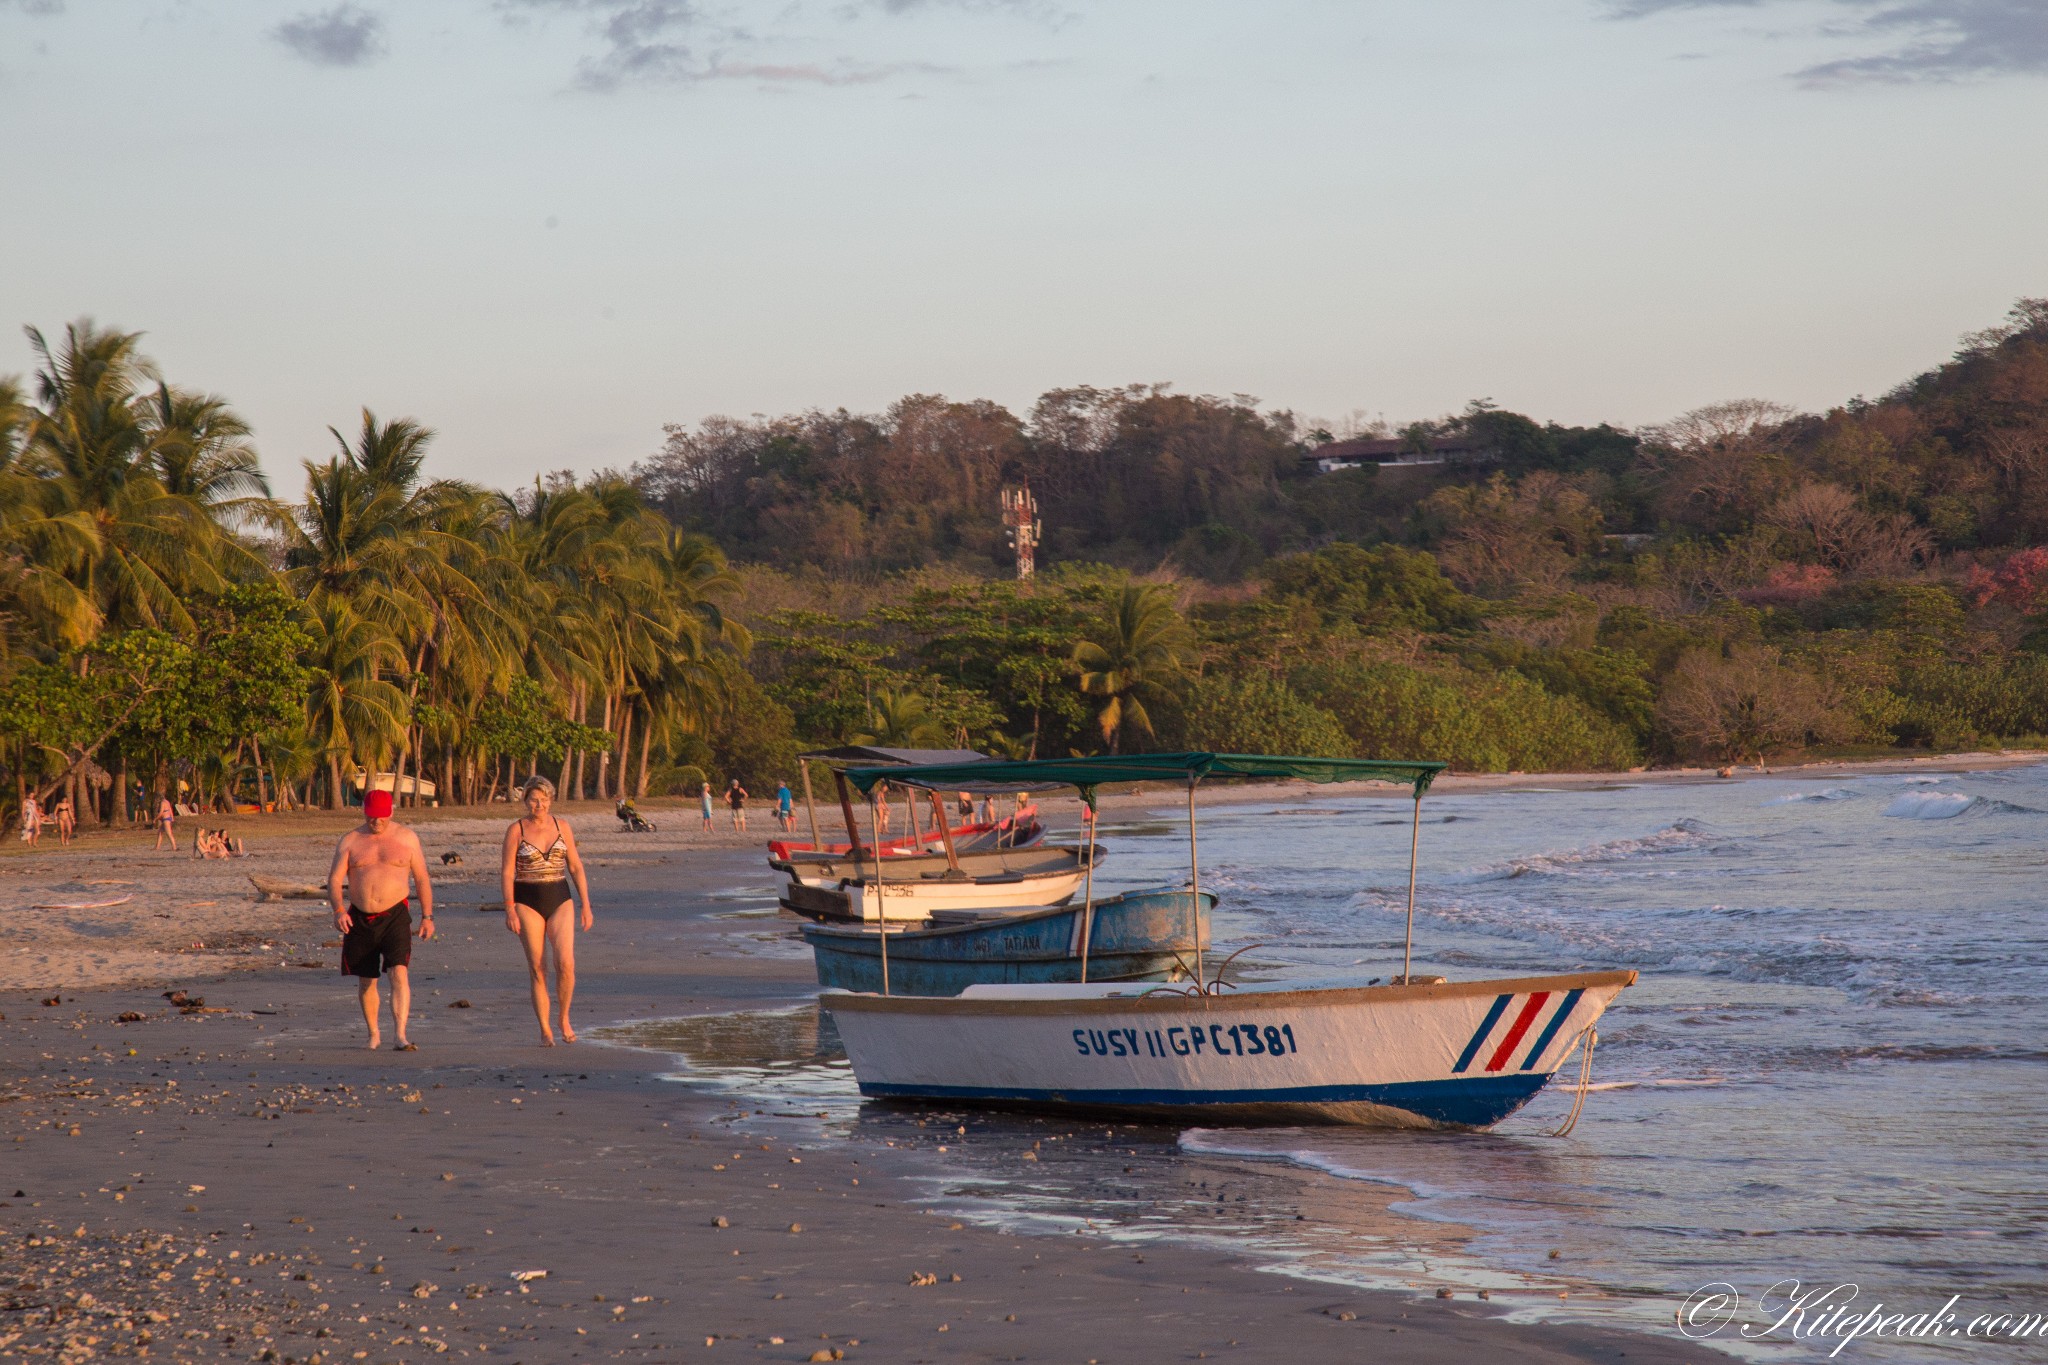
<point>1022,527</point>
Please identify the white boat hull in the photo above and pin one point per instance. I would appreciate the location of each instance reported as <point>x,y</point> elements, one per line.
<point>1457,1055</point>
<point>900,901</point>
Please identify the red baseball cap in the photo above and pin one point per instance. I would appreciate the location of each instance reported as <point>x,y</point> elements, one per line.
<point>377,805</point>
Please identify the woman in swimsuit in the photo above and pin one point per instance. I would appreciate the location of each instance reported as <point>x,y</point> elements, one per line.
<point>539,864</point>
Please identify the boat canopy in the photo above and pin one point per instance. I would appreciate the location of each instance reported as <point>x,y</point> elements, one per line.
<point>869,753</point>
<point>1090,773</point>
<point>847,755</point>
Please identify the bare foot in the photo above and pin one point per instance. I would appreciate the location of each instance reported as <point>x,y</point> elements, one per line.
<point>374,1041</point>
<point>404,1046</point>
<point>568,1034</point>
<point>547,1040</point>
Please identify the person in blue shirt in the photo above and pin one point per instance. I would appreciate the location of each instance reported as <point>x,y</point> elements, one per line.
<point>784,815</point>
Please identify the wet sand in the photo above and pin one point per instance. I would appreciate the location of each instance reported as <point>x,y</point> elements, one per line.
<point>243,1181</point>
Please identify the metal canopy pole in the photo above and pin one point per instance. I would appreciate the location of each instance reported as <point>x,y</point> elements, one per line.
<point>1414,846</point>
<point>945,835</point>
<point>846,809</point>
<point>1088,902</point>
<point>1195,883</point>
<point>881,906</point>
<point>810,805</point>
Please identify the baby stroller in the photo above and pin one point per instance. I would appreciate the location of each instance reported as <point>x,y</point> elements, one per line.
<point>634,822</point>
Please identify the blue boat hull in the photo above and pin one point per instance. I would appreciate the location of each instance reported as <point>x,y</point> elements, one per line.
<point>1134,936</point>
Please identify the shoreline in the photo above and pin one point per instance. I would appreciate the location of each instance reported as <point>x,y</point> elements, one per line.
<point>190,917</point>
<point>258,1125</point>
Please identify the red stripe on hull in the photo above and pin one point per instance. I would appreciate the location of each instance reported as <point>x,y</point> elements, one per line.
<point>1522,1022</point>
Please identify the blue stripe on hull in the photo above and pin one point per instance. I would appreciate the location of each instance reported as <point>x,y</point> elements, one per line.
<point>1500,1005</point>
<point>1564,1012</point>
<point>1467,1102</point>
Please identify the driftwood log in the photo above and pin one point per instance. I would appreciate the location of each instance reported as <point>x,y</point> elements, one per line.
<point>277,889</point>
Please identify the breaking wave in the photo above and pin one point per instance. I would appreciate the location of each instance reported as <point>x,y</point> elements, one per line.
<point>1925,805</point>
<point>1686,836</point>
<point>1800,798</point>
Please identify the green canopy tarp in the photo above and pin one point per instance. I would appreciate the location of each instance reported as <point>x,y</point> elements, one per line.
<point>1090,773</point>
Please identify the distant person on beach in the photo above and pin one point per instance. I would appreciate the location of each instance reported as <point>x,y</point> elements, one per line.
<point>67,820</point>
<point>166,824</point>
<point>736,802</point>
<point>704,801</point>
<point>882,810</point>
<point>539,862</point>
<point>373,864</point>
<point>966,806</point>
<point>31,821</point>
<point>785,813</point>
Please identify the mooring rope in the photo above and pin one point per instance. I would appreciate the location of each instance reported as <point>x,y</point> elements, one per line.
<point>1589,1039</point>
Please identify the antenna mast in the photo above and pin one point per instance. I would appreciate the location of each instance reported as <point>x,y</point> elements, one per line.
<point>1022,528</point>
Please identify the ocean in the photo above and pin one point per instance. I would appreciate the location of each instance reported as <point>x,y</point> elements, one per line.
<point>1831,1070</point>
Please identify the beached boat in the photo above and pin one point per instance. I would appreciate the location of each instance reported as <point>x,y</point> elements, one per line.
<point>1450,1055</point>
<point>1021,830</point>
<point>1418,1052</point>
<point>913,889</point>
<point>1139,934</point>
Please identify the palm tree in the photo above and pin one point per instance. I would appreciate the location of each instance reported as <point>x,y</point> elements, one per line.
<point>43,611</point>
<point>390,453</point>
<point>202,451</point>
<point>90,441</point>
<point>418,559</point>
<point>1143,646</point>
<point>351,712</point>
<point>901,720</point>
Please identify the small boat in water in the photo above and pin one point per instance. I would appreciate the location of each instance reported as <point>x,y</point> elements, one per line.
<point>913,889</point>
<point>1416,1052</point>
<point>1139,934</point>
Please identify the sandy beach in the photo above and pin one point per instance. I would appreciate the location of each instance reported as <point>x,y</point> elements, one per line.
<point>239,1179</point>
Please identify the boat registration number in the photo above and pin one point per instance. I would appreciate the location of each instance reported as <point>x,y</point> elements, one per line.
<point>1222,1040</point>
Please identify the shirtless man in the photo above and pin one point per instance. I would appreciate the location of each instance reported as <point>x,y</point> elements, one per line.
<point>373,864</point>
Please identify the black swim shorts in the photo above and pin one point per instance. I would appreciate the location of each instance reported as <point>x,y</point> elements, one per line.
<point>376,943</point>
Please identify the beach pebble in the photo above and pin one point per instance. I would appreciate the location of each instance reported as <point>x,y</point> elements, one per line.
<point>520,1275</point>
<point>823,1354</point>
<point>720,1222</point>
<point>796,1227</point>
<point>1443,1293</point>
<point>460,1005</point>
<point>921,1278</point>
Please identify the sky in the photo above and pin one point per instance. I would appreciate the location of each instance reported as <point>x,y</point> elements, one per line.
<point>547,228</point>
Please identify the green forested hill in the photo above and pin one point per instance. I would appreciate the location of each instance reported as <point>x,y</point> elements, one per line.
<point>1743,581</point>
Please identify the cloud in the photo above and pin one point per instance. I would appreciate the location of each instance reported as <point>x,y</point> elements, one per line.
<point>346,35</point>
<point>676,42</point>
<point>1923,40</point>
